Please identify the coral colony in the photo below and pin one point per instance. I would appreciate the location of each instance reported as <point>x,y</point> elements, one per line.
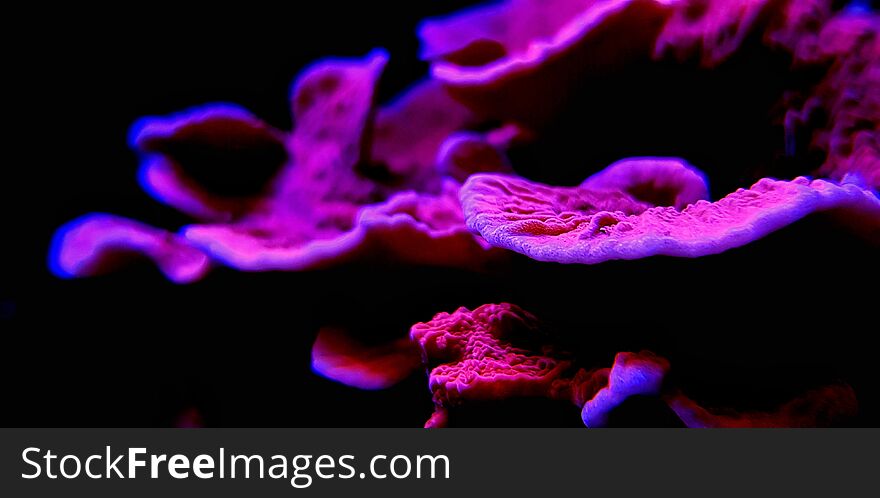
<point>428,180</point>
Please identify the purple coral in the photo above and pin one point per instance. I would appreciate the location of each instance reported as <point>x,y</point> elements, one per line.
<point>343,194</point>
<point>98,243</point>
<point>337,355</point>
<point>499,351</point>
<point>588,225</point>
<point>432,179</point>
<point>522,59</point>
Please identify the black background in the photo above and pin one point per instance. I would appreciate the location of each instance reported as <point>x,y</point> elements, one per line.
<point>748,328</point>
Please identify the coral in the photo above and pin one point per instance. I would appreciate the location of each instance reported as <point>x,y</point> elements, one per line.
<point>98,243</point>
<point>408,134</point>
<point>656,180</point>
<point>493,352</point>
<point>432,179</point>
<point>223,135</point>
<point>525,61</point>
<point>343,185</point>
<point>499,351</point>
<point>710,29</point>
<point>633,374</point>
<point>846,101</point>
<point>582,225</point>
<point>465,153</point>
<point>340,357</point>
<point>520,60</point>
<point>822,407</point>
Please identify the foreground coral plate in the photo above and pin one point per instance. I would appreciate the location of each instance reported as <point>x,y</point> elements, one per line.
<point>470,165</point>
<point>588,225</point>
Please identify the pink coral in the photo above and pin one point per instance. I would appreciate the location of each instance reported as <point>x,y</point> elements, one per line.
<point>497,59</point>
<point>822,407</point>
<point>848,96</point>
<point>657,180</point>
<point>464,153</point>
<point>353,181</point>
<point>633,374</point>
<point>524,61</point>
<point>499,351</point>
<point>582,225</point>
<point>710,29</point>
<point>98,243</point>
<point>349,188</point>
<point>481,356</point>
<point>340,357</point>
<point>408,134</point>
<point>845,45</point>
<point>224,132</point>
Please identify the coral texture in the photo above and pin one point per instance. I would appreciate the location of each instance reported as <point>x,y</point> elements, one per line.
<point>499,351</point>
<point>583,225</point>
<point>493,352</point>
